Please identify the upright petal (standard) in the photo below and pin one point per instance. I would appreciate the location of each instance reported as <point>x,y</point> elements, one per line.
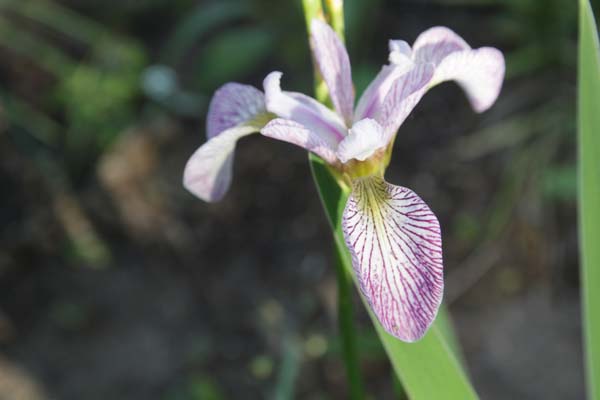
<point>403,96</point>
<point>334,64</point>
<point>372,98</point>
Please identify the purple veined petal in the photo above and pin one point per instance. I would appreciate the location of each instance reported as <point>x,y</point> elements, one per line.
<point>396,247</point>
<point>400,62</point>
<point>333,62</point>
<point>304,110</point>
<point>433,45</point>
<point>479,72</point>
<point>231,105</point>
<point>364,138</point>
<point>292,132</point>
<point>208,172</point>
<point>403,96</point>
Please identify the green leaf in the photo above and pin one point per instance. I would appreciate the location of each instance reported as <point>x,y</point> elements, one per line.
<point>589,189</point>
<point>428,369</point>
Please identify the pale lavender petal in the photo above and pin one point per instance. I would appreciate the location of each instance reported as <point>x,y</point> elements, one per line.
<point>231,105</point>
<point>208,172</point>
<point>304,110</point>
<point>372,98</point>
<point>364,139</point>
<point>433,45</point>
<point>333,62</point>
<point>402,97</point>
<point>400,52</point>
<point>479,72</point>
<point>396,247</point>
<point>295,133</point>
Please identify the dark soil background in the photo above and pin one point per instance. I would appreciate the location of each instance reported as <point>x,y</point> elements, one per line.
<point>115,283</point>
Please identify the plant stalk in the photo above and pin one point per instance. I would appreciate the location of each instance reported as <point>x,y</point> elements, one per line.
<point>335,13</point>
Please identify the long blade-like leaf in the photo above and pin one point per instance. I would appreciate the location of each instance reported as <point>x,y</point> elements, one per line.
<point>589,190</point>
<point>427,369</point>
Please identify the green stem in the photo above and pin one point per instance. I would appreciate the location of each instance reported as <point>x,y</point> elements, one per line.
<point>347,329</point>
<point>335,12</point>
<point>314,9</point>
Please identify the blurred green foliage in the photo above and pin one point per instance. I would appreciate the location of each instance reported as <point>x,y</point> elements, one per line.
<point>195,387</point>
<point>588,118</point>
<point>93,80</point>
<point>98,98</point>
<point>257,45</point>
<point>74,76</point>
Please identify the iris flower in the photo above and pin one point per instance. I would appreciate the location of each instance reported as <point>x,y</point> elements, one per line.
<point>393,236</point>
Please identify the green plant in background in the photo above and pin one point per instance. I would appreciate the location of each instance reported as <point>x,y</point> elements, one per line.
<point>96,94</point>
<point>94,97</point>
<point>589,189</point>
<point>90,81</point>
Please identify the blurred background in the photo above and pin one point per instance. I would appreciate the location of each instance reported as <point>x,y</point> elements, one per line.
<point>115,283</point>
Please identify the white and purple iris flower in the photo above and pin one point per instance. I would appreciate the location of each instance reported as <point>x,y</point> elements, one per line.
<point>393,236</point>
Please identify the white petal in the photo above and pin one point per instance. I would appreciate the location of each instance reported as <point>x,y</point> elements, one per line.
<point>479,72</point>
<point>304,110</point>
<point>403,96</point>
<point>436,43</point>
<point>333,62</point>
<point>400,53</point>
<point>396,247</point>
<point>371,101</point>
<point>295,133</point>
<point>364,138</point>
<point>208,171</point>
<point>369,104</point>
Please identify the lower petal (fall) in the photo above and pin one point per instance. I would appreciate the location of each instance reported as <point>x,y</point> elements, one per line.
<point>233,104</point>
<point>208,171</point>
<point>395,242</point>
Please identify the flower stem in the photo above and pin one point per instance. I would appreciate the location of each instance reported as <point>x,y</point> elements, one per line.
<point>335,14</point>
<point>350,354</point>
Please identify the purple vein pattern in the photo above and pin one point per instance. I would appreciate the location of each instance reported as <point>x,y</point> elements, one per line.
<point>396,247</point>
